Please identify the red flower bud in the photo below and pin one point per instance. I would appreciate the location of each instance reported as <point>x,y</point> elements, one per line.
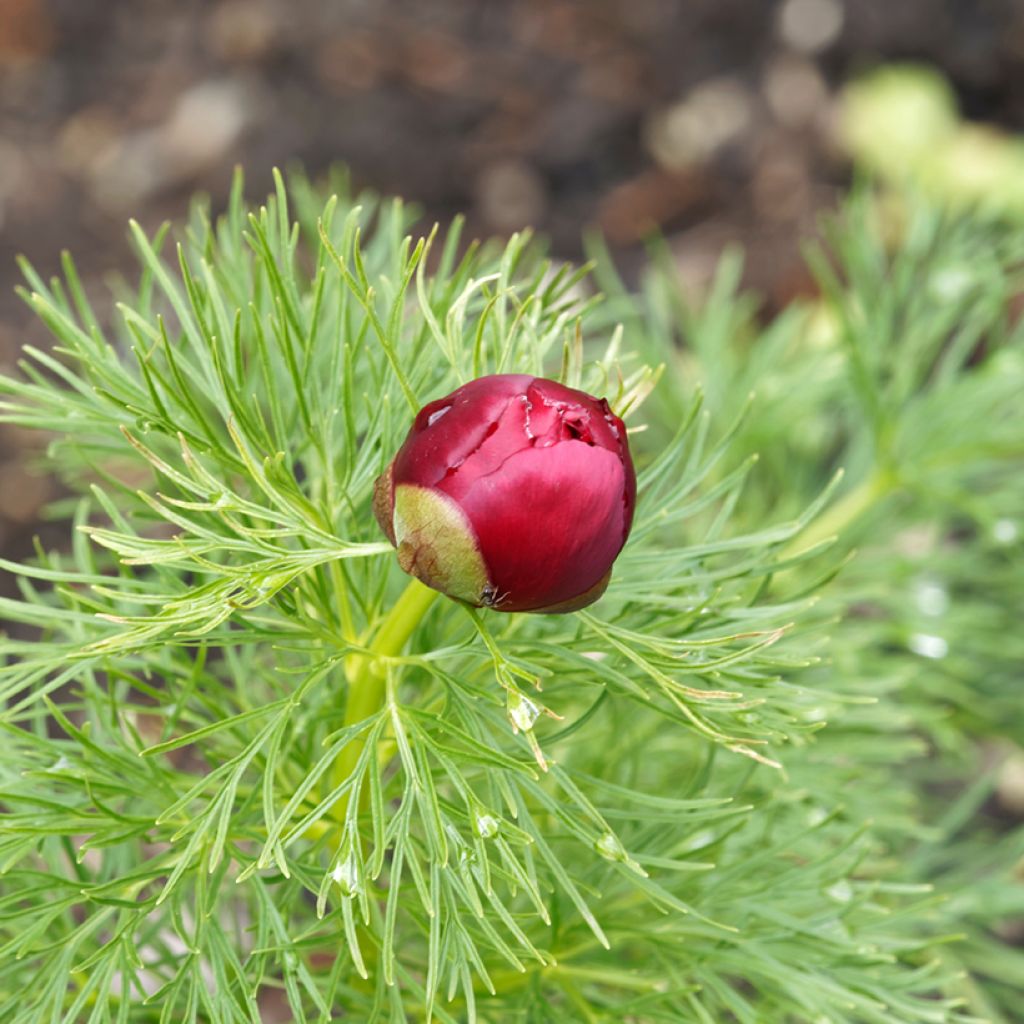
<point>513,492</point>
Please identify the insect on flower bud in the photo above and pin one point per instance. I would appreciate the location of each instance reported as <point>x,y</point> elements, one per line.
<point>513,492</point>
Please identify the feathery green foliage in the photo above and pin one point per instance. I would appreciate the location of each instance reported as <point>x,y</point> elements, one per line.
<point>242,756</point>
<point>908,372</point>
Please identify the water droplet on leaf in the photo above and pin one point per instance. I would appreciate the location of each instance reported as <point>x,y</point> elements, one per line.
<point>932,597</point>
<point>928,646</point>
<point>1005,531</point>
<point>609,847</point>
<point>346,874</point>
<point>522,711</point>
<point>486,825</point>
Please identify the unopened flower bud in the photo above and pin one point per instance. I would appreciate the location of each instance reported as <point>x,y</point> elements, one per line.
<point>512,492</point>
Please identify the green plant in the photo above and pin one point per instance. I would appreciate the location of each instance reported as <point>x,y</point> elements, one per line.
<point>901,122</point>
<point>243,755</point>
<point>907,372</point>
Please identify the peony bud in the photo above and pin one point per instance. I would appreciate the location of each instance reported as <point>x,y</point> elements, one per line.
<point>512,492</point>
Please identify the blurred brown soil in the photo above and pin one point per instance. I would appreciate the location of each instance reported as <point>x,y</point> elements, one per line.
<point>709,120</point>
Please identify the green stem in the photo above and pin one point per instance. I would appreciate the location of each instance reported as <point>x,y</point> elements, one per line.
<point>840,516</point>
<point>367,679</point>
<point>348,631</point>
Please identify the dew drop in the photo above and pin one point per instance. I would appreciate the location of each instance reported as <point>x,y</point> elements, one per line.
<point>928,646</point>
<point>485,825</point>
<point>841,892</point>
<point>1005,531</point>
<point>815,816</point>
<point>346,875</point>
<point>609,847</point>
<point>522,711</point>
<point>699,840</point>
<point>932,597</point>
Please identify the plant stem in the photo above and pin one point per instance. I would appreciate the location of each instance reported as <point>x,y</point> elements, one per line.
<point>341,596</point>
<point>845,512</point>
<point>367,683</point>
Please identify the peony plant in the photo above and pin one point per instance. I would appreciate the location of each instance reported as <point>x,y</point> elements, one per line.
<point>253,772</point>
